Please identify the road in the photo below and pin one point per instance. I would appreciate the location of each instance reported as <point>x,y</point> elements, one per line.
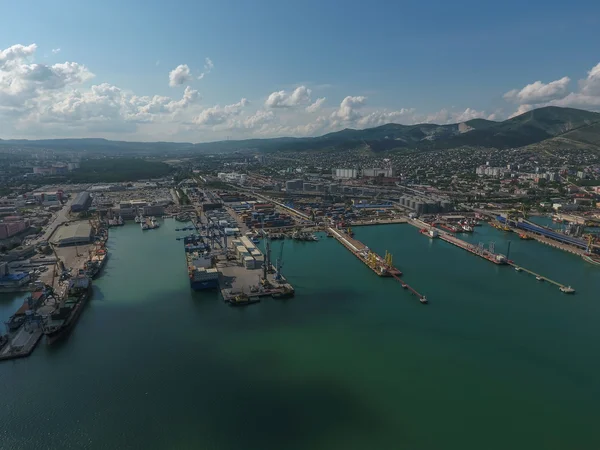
<point>61,217</point>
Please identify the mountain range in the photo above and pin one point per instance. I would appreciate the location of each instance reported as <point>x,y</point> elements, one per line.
<point>549,126</point>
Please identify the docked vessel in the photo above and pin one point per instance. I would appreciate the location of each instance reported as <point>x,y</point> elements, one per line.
<point>62,320</point>
<point>96,263</point>
<point>431,233</point>
<point>139,219</point>
<point>201,274</point>
<point>284,293</point>
<point>525,237</point>
<point>567,289</point>
<point>242,300</point>
<point>592,259</point>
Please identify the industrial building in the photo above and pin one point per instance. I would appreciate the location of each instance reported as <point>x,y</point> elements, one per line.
<point>77,233</point>
<point>82,202</point>
<point>425,205</point>
<point>345,173</point>
<point>375,172</point>
<point>294,185</point>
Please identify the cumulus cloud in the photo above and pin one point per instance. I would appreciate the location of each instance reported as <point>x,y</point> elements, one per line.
<point>22,81</point>
<point>348,110</point>
<point>180,75</point>
<point>378,118</point>
<point>216,115</point>
<point>539,92</point>
<point>587,97</point>
<point>316,106</point>
<point>55,50</point>
<point>16,53</point>
<point>285,99</point>
<point>208,67</point>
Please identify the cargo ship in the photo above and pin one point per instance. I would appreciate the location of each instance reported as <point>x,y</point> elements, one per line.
<point>63,319</point>
<point>96,263</point>
<point>200,272</point>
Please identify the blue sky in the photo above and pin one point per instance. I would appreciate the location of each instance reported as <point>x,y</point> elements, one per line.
<point>372,62</point>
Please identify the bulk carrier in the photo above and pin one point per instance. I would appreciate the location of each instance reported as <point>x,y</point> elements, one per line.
<point>64,318</point>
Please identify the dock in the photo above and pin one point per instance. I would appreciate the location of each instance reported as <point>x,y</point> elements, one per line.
<point>21,343</point>
<point>373,261</point>
<point>235,279</point>
<point>562,287</point>
<point>488,255</point>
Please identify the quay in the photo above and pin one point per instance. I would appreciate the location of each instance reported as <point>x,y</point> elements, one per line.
<point>376,263</point>
<point>362,223</point>
<point>563,288</point>
<point>382,267</point>
<point>235,280</point>
<point>21,343</point>
<point>486,254</point>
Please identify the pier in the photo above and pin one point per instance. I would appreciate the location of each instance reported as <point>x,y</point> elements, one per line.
<point>488,255</point>
<point>564,288</point>
<point>373,261</point>
<point>21,343</point>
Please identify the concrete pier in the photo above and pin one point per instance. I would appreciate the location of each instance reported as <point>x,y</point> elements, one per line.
<point>22,342</point>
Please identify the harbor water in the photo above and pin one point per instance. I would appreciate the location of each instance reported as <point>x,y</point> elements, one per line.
<point>496,360</point>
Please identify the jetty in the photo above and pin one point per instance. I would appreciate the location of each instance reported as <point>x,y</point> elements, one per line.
<point>382,267</point>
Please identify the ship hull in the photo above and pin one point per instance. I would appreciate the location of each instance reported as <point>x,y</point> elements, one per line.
<point>65,330</point>
<point>204,285</point>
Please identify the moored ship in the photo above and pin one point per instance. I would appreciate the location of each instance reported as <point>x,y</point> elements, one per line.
<point>59,323</point>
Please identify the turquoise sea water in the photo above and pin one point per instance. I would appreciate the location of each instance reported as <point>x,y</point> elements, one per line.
<point>497,360</point>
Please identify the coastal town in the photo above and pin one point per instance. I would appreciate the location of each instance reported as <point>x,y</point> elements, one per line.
<point>235,209</point>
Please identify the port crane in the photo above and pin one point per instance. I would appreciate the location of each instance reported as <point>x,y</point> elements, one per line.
<point>279,263</point>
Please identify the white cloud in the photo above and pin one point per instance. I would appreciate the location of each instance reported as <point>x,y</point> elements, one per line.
<point>216,115</point>
<point>591,85</point>
<point>285,99</point>
<point>587,97</point>
<point>180,75</point>
<point>316,106</point>
<point>55,50</point>
<point>382,117</point>
<point>16,53</point>
<point>522,109</point>
<point>347,112</point>
<point>208,67</point>
<point>539,92</point>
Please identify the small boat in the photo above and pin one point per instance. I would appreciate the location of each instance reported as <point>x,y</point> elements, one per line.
<point>243,300</point>
<point>567,289</point>
<point>423,300</point>
<point>539,278</point>
<point>518,269</point>
<point>404,286</point>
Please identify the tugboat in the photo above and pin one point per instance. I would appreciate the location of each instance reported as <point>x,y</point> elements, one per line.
<point>567,289</point>
<point>243,300</point>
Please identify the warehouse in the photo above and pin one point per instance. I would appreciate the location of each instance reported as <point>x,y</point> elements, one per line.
<point>82,202</point>
<point>76,233</point>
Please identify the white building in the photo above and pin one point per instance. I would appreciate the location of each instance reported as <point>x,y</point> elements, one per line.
<point>232,177</point>
<point>375,172</point>
<point>345,173</point>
